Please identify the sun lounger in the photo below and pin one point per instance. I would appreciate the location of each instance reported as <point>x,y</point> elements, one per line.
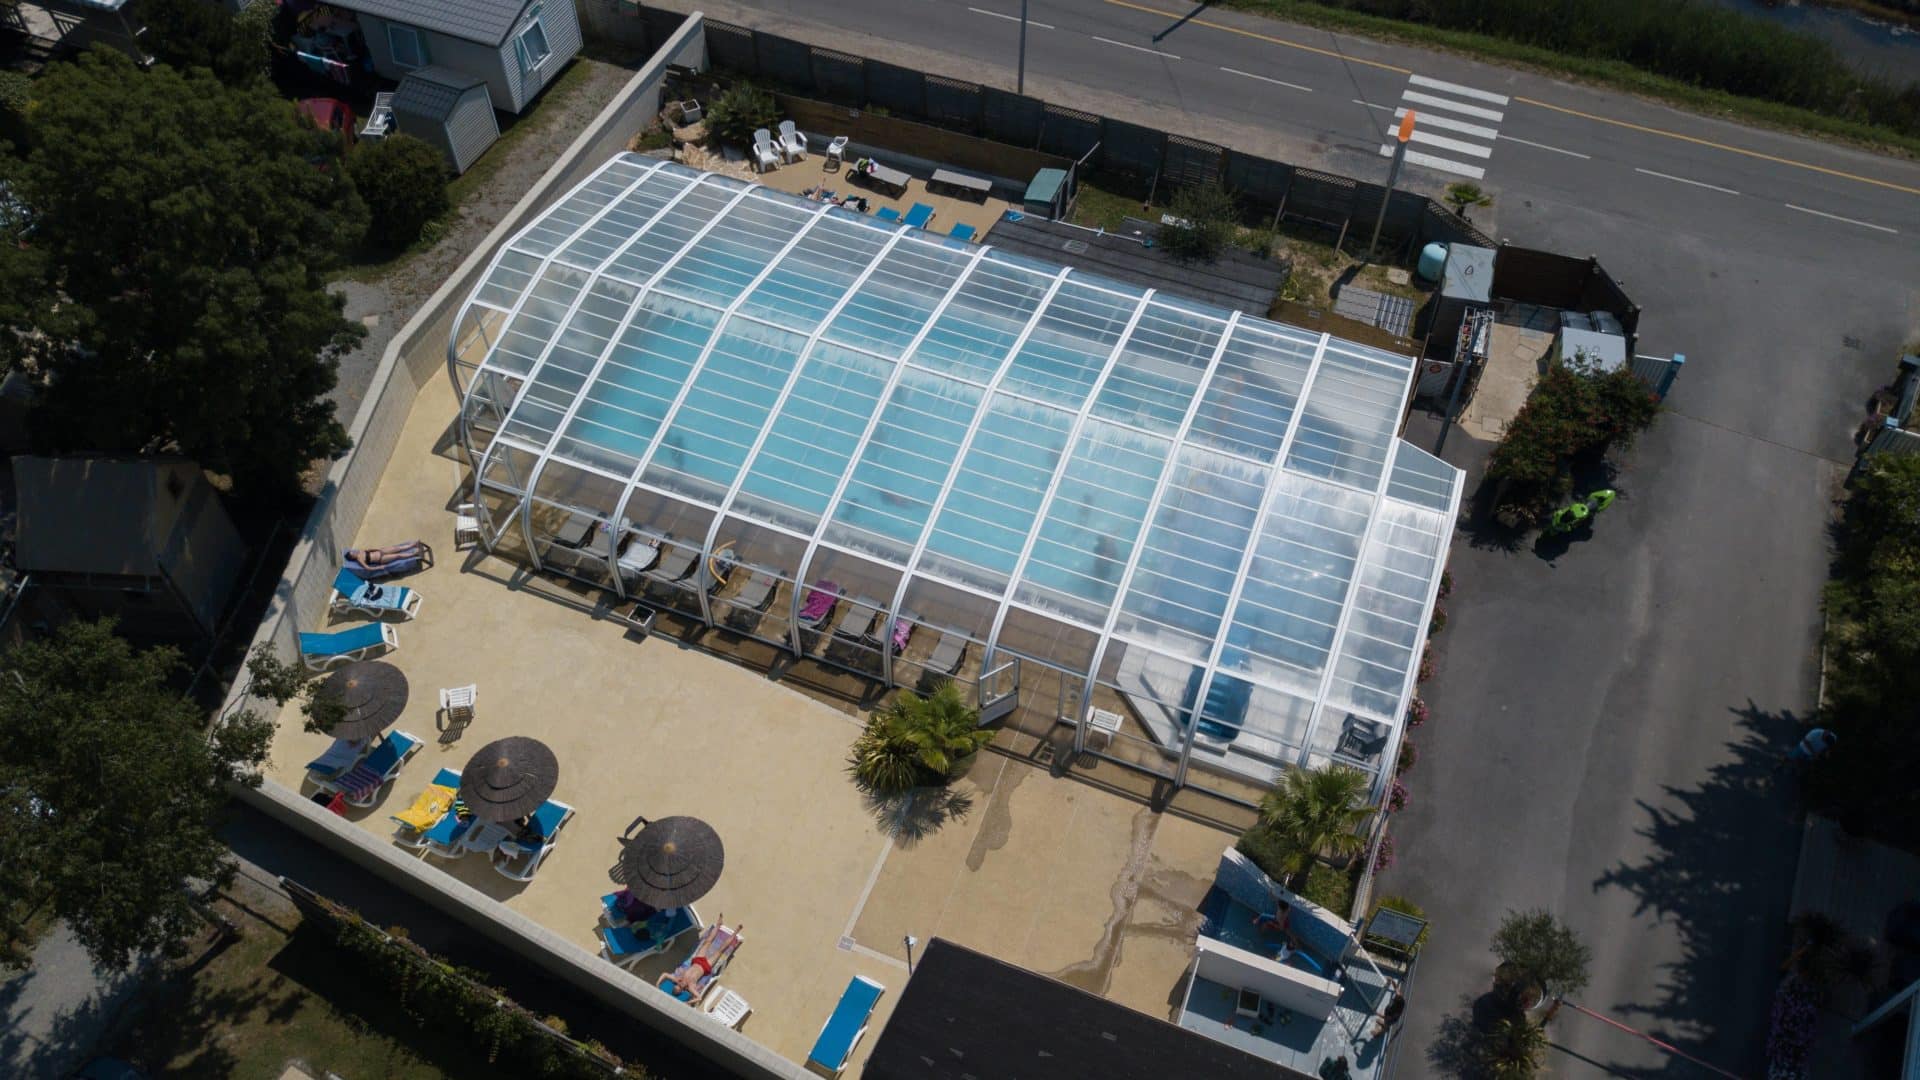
<point>689,982</point>
<point>676,562</point>
<point>376,563</point>
<point>919,214</point>
<point>324,651</point>
<point>340,756</point>
<point>793,142</point>
<point>818,604</point>
<point>520,859</point>
<point>447,838</point>
<point>764,155</point>
<point>887,213</point>
<point>626,945</point>
<point>857,623</point>
<point>753,599</point>
<point>843,1030</point>
<point>728,1007</point>
<point>962,231</point>
<point>351,592</point>
<point>902,632</point>
<point>428,808</point>
<point>617,910</point>
<point>948,654</point>
<point>362,783</point>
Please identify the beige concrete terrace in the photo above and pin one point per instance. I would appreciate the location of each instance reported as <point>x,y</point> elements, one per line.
<point>1085,881</point>
<point>812,171</point>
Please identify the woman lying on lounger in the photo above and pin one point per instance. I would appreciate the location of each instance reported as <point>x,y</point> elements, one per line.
<point>381,556</point>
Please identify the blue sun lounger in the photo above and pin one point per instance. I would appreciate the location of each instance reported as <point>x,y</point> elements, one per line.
<point>843,1030</point>
<point>962,231</point>
<point>887,213</point>
<point>351,592</point>
<point>321,651</point>
<point>362,783</point>
<point>918,215</point>
<point>625,944</point>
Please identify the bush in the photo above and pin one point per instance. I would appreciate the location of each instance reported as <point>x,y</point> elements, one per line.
<point>1398,797</point>
<point>739,111</point>
<point>197,34</point>
<point>914,741</point>
<point>1575,415</point>
<point>1207,226</point>
<point>403,181</point>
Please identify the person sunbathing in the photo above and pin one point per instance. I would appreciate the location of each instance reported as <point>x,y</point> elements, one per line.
<point>382,555</point>
<point>687,979</point>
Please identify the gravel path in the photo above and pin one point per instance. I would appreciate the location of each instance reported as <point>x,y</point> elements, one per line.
<point>383,306</point>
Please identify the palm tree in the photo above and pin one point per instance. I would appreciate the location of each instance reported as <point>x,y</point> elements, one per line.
<point>1313,813</point>
<point>915,740</point>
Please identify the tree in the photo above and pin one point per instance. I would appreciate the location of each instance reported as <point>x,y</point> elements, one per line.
<point>1544,949</point>
<point>1511,1049</point>
<point>916,740</point>
<point>110,789</point>
<point>739,111</point>
<point>1466,197</point>
<point>1207,224</point>
<point>1315,812</point>
<point>403,181</point>
<point>197,34</point>
<point>185,228</point>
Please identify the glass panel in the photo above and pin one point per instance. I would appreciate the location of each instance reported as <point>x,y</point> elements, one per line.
<point>556,225</point>
<point>898,298</point>
<point>1296,582</point>
<point>510,276</point>
<point>1093,522</point>
<point>810,279</point>
<point>1250,402</point>
<point>667,236</point>
<point>984,524</point>
<point>757,598</point>
<point>538,320</point>
<point>735,250</point>
<point>971,338</point>
<point>949,635</point>
<point>807,448</point>
<point>572,521</point>
<point>1422,479</point>
<point>1070,344</point>
<point>644,372</point>
<point>1192,553</point>
<point>1159,369</point>
<point>623,219</point>
<point>723,411</point>
<point>906,460</point>
<point>1351,415</point>
<point>1387,626</point>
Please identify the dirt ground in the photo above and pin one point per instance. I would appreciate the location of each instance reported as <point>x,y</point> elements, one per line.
<point>385,303</point>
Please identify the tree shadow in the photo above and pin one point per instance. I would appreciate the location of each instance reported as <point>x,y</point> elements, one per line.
<point>918,814</point>
<point>1719,871</point>
<point>1458,1048</point>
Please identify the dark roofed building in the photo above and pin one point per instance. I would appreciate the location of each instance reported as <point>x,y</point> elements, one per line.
<point>1234,279</point>
<point>144,540</point>
<point>966,1016</point>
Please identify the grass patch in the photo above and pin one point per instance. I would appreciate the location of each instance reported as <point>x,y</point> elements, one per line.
<point>552,106</point>
<point>275,995</point>
<point>1616,74</point>
<point>1097,208</point>
<point>1334,888</point>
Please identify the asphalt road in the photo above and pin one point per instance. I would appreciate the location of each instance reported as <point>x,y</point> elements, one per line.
<point>1604,715</point>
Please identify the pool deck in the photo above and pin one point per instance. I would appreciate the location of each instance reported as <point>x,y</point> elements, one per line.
<point>1077,876</point>
<point>947,210</point>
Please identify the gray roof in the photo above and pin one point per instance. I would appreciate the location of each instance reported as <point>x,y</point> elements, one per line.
<point>98,516</point>
<point>485,21</point>
<point>432,92</point>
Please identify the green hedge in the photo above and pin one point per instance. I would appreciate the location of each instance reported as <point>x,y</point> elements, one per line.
<point>1575,414</point>
<point>438,995</point>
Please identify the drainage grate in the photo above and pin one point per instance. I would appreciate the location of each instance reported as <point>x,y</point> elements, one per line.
<point>1077,247</point>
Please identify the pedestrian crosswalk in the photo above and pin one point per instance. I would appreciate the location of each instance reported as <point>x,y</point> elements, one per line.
<point>1454,126</point>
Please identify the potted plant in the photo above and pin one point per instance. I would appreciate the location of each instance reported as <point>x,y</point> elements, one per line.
<point>915,741</point>
<point>1511,1050</point>
<point>1540,957</point>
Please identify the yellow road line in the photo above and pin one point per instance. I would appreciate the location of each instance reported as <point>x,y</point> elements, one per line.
<point>1756,154</point>
<point>1888,184</point>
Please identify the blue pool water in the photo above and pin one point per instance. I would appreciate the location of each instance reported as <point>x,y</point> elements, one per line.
<point>1226,919</point>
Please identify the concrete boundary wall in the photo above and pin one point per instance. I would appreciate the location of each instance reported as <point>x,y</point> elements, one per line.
<point>417,354</point>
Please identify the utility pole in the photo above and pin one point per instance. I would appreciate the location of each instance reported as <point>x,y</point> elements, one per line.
<point>1393,177</point>
<point>1020,76</point>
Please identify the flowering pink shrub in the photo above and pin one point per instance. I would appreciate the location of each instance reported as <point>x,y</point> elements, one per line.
<point>1416,712</point>
<point>1383,858</point>
<point>1426,664</point>
<point>1397,797</point>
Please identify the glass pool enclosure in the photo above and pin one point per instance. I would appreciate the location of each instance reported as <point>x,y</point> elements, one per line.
<point>1190,533</point>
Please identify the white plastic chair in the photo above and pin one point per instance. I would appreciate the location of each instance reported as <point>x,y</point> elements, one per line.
<point>457,702</point>
<point>793,142</point>
<point>466,526</point>
<point>764,157</point>
<point>728,1007</point>
<point>837,152</point>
